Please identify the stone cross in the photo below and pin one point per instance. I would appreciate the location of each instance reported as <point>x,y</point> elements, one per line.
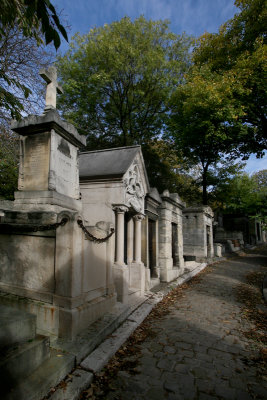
<point>50,76</point>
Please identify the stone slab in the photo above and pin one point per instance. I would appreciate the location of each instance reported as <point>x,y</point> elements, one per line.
<point>36,200</point>
<point>79,380</point>
<point>15,326</point>
<point>47,376</point>
<point>99,357</point>
<point>50,120</point>
<point>28,262</point>
<point>21,360</point>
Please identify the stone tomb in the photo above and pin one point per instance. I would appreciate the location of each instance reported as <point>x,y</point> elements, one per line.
<point>171,260</point>
<point>59,274</point>
<point>150,238</point>
<point>198,233</point>
<point>113,185</point>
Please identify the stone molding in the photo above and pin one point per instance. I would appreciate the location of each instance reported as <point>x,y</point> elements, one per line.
<point>51,120</point>
<point>139,217</point>
<point>120,208</point>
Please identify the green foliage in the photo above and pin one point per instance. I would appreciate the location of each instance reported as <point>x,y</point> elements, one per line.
<point>32,16</point>
<point>239,49</point>
<point>9,159</point>
<point>167,170</point>
<point>244,194</point>
<point>205,123</point>
<point>118,78</point>
<point>33,21</point>
<point>221,109</point>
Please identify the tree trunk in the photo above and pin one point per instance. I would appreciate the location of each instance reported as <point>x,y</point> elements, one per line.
<point>204,187</point>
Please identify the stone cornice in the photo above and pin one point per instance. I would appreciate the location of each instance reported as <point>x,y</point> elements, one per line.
<point>51,120</point>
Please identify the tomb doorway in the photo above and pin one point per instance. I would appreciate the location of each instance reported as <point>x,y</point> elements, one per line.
<point>152,248</point>
<point>175,244</point>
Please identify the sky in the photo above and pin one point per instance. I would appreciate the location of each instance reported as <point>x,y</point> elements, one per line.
<point>191,16</point>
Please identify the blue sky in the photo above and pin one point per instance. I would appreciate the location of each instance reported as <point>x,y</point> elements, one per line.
<point>191,16</point>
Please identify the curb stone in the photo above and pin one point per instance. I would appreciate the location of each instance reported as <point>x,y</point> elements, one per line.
<point>96,361</point>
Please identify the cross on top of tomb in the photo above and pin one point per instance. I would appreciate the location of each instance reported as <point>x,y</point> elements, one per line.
<point>50,76</point>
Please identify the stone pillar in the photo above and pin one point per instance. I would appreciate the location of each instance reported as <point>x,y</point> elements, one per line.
<point>121,272</point>
<point>137,237</point>
<point>130,241</point>
<point>137,269</point>
<point>119,253</point>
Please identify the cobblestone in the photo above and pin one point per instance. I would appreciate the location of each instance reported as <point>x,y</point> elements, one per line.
<point>198,349</point>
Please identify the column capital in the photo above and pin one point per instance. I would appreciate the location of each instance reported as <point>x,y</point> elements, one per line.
<point>139,217</point>
<point>120,208</point>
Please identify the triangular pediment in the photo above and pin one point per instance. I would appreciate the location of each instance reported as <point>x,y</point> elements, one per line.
<point>136,184</point>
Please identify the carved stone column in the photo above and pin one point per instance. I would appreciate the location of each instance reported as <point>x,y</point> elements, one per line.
<point>137,237</point>
<point>120,210</point>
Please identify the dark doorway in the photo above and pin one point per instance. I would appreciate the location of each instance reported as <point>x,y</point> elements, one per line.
<point>174,244</point>
<point>208,241</point>
<point>152,247</point>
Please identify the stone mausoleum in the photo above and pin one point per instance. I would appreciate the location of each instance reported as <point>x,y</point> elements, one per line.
<point>86,230</point>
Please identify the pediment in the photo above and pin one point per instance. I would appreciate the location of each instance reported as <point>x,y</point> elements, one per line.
<point>136,184</point>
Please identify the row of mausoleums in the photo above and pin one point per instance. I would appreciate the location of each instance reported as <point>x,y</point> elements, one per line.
<point>59,256</point>
<point>153,232</point>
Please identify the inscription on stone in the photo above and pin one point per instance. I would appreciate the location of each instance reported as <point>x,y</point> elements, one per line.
<point>35,162</point>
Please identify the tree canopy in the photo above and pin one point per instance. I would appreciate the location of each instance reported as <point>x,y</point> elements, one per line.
<point>24,26</point>
<point>239,49</point>
<point>34,17</point>
<point>204,123</point>
<point>117,80</point>
<point>244,194</point>
<point>220,110</point>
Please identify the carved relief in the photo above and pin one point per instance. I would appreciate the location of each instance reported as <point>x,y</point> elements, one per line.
<point>134,196</point>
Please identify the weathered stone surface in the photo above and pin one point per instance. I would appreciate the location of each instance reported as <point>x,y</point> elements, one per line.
<point>206,364</point>
<point>198,232</point>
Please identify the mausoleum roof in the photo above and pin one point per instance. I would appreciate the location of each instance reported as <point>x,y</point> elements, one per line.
<point>111,163</point>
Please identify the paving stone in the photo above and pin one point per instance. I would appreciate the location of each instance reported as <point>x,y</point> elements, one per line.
<point>205,386</point>
<point>241,395</point>
<point>182,368</point>
<point>205,396</point>
<point>225,391</point>
<point>166,365</point>
<point>198,351</point>
<point>169,349</point>
<point>155,393</point>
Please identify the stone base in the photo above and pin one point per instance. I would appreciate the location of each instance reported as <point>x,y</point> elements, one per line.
<point>37,199</point>
<point>72,322</point>
<point>168,275</point>
<point>58,321</point>
<point>121,281</point>
<point>137,277</point>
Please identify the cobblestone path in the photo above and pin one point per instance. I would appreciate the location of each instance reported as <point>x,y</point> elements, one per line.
<point>198,351</point>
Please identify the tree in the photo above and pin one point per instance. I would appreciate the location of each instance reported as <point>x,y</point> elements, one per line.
<point>240,49</point>
<point>31,22</point>
<point>21,59</point>
<point>118,78</point>
<point>205,121</point>
<point>167,170</point>
<point>9,159</point>
<point>243,194</point>
<point>35,18</point>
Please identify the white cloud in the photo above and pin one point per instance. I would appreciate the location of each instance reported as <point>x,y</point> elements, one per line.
<point>256,164</point>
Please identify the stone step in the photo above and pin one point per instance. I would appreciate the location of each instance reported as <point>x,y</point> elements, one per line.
<point>19,361</point>
<point>191,264</point>
<point>43,379</point>
<point>16,326</point>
